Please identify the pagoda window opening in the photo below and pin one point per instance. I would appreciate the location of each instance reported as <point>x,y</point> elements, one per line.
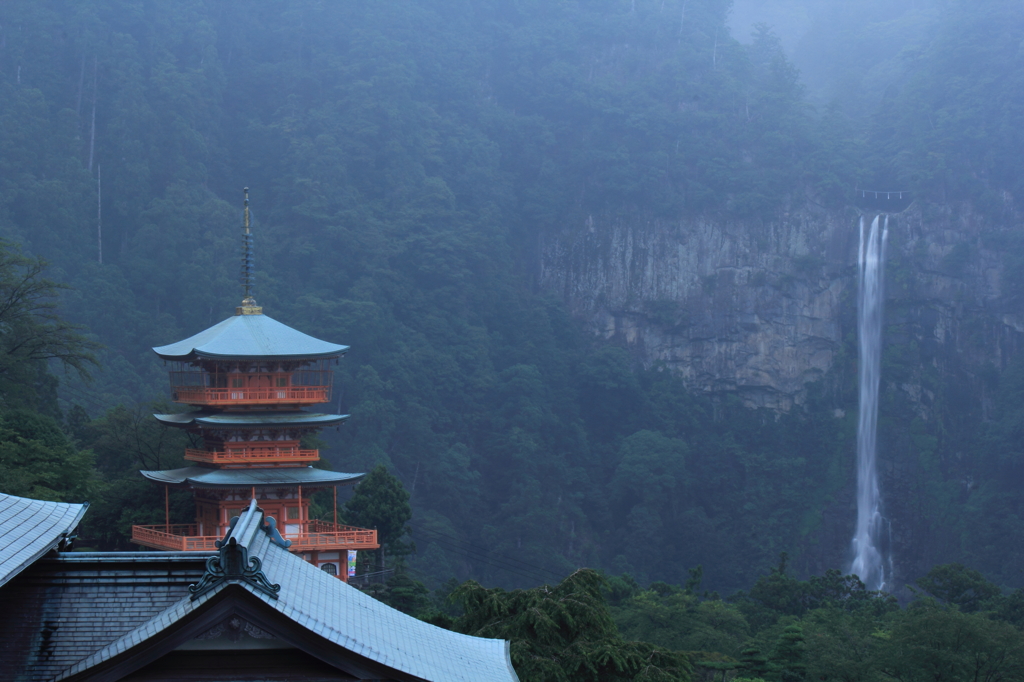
<point>213,383</point>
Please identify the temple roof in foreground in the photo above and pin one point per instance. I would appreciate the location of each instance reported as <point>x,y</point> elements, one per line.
<point>227,420</point>
<point>94,597</point>
<point>205,477</point>
<point>250,337</point>
<point>158,615</point>
<point>31,528</point>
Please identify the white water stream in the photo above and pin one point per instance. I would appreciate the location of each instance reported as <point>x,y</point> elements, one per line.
<point>869,564</point>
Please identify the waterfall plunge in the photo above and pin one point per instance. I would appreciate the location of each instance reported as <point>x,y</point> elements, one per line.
<point>869,563</point>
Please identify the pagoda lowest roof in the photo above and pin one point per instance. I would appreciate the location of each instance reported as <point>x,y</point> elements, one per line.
<point>250,337</point>
<point>250,419</point>
<point>271,477</point>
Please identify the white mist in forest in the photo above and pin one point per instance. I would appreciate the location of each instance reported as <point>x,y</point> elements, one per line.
<point>868,562</point>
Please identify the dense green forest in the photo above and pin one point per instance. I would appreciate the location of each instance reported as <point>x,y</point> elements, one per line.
<point>783,629</point>
<point>404,161</point>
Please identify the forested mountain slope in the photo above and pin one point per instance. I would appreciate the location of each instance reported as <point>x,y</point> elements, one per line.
<point>409,163</point>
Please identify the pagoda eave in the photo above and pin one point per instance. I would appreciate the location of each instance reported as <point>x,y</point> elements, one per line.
<point>251,337</point>
<point>254,419</point>
<point>196,355</point>
<point>227,479</point>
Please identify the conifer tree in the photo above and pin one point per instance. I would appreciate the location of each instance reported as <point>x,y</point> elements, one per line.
<point>382,502</point>
<point>789,654</point>
<point>753,663</point>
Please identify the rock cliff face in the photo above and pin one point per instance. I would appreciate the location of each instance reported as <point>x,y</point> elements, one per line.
<point>761,309</point>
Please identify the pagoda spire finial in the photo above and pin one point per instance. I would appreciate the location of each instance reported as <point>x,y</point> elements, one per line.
<point>248,306</point>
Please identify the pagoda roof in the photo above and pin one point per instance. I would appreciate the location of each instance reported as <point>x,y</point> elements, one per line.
<point>272,477</point>
<point>31,528</point>
<point>250,337</point>
<point>250,419</point>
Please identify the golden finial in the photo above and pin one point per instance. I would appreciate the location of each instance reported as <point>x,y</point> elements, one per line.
<point>248,306</point>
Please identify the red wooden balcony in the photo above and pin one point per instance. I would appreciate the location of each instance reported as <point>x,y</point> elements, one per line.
<point>178,538</point>
<point>287,395</point>
<point>322,535</point>
<point>318,535</point>
<point>225,388</point>
<point>262,456</point>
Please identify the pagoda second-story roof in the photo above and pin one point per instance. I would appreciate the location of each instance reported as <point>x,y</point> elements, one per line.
<point>250,337</point>
<point>227,420</point>
<point>272,477</point>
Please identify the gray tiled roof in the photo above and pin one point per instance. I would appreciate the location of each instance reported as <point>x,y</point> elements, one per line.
<point>227,419</point>
<point>31,528</point>
<point>205,477</point>
<point>64,609</point>
<point>343,615</point>
<point>250,336</point>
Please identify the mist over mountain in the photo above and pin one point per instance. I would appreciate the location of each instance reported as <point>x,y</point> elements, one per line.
<point>596,261</point>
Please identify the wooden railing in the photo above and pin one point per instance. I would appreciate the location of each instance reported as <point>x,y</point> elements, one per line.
<point>287,395</point>
<point>255,455</point>
<point>319,535</point>
<point>175,538</point>
<point>324,535</point>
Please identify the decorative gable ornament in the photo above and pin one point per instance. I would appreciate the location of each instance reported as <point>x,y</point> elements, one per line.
<point>233,564</point>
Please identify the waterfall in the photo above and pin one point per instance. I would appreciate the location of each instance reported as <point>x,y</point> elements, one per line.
<point>869,563</point>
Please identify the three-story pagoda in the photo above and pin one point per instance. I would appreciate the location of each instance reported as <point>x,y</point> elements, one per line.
<point>251,376</point>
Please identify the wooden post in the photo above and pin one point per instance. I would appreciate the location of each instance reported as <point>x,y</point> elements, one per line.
<point>335,509</point>
<point>167,508</point>
<point>301,529</point>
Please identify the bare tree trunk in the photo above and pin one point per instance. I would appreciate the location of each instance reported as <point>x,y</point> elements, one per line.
<point>81,84</point>
<point>99,214</point>
<point>92,135</point>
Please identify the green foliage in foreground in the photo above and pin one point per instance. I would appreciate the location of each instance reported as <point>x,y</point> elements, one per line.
<point>828,628</point>
<point>564,633</point>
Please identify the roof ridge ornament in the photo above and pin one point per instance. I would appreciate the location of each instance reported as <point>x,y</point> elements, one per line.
<point>233,563</point>
<point>248,306</point>
<point>270,528</point>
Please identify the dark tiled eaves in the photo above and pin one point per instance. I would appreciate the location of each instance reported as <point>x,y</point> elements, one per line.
<point>31,528</point>
<point>64,609</point>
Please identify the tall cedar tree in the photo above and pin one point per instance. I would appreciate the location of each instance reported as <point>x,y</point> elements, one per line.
<point>381,501</point>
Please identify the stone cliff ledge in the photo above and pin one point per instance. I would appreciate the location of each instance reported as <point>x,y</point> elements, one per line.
<point>760,308</point>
